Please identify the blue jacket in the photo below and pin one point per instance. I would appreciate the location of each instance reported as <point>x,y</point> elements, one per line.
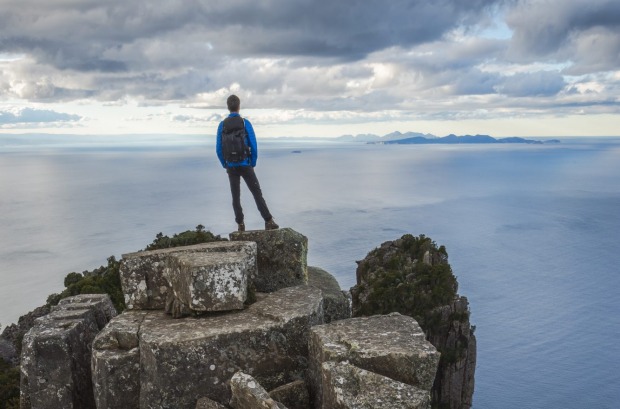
<point>251,142</point>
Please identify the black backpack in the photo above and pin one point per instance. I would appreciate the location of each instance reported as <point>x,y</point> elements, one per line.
<point>234,146</point>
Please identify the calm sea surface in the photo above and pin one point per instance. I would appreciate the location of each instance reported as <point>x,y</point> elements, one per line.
<point>532,233</point>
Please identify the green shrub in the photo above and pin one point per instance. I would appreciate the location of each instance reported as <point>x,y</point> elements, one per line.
<point>184,239</point>
<point>9,386</point>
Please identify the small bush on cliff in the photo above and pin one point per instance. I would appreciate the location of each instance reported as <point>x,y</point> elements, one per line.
<point>102,280</point>
<point>184,239</point>
<point>9,386</point>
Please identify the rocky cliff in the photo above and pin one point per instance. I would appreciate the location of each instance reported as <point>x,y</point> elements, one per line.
<point>412,276</point>
<point>243,324</point>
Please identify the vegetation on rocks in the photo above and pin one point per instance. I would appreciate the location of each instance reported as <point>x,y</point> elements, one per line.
<point>187,238</point>
<point>395,278</point>
<point>9,386</point>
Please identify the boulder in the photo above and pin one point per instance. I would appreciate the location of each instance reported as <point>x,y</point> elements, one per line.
<point>56,354</point>
<point>336,305</point>
<point>214,281</point>
<point>247,393</point>
<point>293,395</point>
<point>346,386</point>
<point>390,345</point>
<point>281,259</point>
<point>142,273</point>
<point>116,362</point>
<point>184,360</point>
<point>206,403</point>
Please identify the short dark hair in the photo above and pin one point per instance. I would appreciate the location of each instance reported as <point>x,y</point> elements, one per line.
<point>233,103</point>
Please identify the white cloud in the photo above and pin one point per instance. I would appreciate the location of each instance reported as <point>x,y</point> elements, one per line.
<point>312,61</point>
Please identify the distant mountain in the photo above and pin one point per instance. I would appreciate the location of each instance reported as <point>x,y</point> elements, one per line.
<point>394,136</point>
<point>469,139</point>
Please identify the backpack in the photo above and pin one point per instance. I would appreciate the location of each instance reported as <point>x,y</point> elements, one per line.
<point>234,146</point>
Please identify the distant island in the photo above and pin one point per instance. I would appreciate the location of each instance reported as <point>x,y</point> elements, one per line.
<point>416,138</point>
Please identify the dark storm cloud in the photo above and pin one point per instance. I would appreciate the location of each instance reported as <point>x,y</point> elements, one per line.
<point>586,32</point>
<point>79,35</point>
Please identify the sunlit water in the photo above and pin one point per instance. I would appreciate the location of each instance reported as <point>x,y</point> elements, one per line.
<point>532,233</point>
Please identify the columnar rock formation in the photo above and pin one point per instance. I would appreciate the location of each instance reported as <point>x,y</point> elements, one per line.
<point>56,354</point>
<point>294,346</point>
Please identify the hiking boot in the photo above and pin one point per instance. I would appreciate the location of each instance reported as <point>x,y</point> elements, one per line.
<point>240,227</point>
<point>271,225</point>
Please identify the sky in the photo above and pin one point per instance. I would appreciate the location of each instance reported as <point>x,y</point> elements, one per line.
<point>311,68</point>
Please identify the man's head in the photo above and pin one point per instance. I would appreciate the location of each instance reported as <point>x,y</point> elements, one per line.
<point>234,103</point>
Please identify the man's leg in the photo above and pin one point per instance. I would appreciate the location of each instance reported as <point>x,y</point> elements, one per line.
<point>235,190</point>
<point>247,172</point>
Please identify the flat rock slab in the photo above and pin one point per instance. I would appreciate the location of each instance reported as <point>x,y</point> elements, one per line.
<point>56,354</point>
<point>336,305</point>
<point>282,259</point>
<point>214,281</point>
<point>392,345</point>
<point>142,273</point>
<point>247,393</point>
<point>346,386</point>
<point>184,360</point>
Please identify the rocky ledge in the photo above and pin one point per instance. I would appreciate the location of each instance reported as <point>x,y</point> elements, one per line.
<point>293,346</point>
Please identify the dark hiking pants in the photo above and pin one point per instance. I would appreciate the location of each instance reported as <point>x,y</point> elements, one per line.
<point>247,173</point>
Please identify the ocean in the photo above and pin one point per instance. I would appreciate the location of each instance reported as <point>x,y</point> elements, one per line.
<point>532,233</point>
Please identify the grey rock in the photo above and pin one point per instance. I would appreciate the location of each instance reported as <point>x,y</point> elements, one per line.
<point>116,362</point>
<point>391,345</point>
<point>247,393</point>
<point>281,259</point>
<point>206,403</point>
<point>184,360</point>
<point>142,273</point>
<point>348,387</point>
<point>336,304</point>
<point>293,395</point>
<point>56,354</point>
<point>214,281</point>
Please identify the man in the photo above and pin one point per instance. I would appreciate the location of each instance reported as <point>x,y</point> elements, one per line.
<point>241,165</point>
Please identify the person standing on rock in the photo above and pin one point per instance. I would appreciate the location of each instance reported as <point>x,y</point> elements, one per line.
<point>237,151</point>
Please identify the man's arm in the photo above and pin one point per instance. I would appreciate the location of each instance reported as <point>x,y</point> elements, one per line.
<point>252,142</point>
<point>218,144</point>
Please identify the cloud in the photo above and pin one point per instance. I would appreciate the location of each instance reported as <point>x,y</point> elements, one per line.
<point>541,83</point>
<point>311,59</point>
<point>34,116</point>
<point>585,32</point>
